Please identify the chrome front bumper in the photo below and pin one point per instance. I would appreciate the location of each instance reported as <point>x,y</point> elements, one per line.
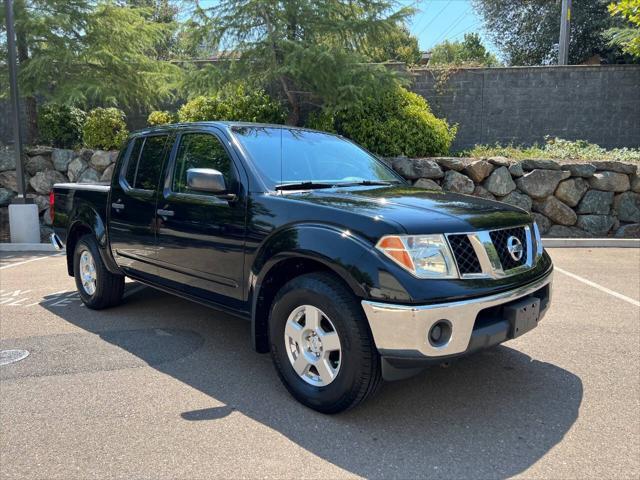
<point>398,328</point>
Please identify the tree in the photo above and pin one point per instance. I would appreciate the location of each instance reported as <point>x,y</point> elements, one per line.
<point>628,36</point>
<point>527,31</point>
<point>313,52</point>
<point>397,45</point>
<point>84,53</point>
<point>469,52</point>
<point>164,12</point>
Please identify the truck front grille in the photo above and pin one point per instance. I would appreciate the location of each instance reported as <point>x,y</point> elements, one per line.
<point>486,253</point>
<point>464,254</point>
<point>499,239</point>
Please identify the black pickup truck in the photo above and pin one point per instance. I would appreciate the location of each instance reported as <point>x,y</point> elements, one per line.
<point>347,274</point>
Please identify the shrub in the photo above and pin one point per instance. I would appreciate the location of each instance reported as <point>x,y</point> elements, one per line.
<point>61,125</point>
<point>396,122</point>
<point>105,129</point>
<point>555,148</point>
<point>158,117</point>
<point>236,103</point>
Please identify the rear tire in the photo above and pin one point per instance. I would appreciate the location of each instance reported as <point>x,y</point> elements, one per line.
<point>331,368</point>
<point>97,286</point>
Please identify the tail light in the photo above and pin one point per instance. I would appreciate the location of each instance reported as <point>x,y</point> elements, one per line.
<point>52,201</point>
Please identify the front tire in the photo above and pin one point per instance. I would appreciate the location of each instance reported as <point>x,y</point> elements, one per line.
<point>97,286</point>
<point>321,344</point>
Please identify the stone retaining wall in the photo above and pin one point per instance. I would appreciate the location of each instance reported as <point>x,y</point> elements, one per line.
<point>45,166</point>
<point>596,199</point>
<point>567,199</point>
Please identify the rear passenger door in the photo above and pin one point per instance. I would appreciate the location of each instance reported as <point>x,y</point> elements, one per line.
<point>132,222</point>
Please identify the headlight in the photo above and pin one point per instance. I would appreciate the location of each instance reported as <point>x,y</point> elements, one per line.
<point>425,256</point>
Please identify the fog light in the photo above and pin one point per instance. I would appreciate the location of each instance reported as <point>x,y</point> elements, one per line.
<point>440,333</point>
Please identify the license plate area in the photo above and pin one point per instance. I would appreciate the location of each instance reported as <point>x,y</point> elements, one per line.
<point>522,315</point>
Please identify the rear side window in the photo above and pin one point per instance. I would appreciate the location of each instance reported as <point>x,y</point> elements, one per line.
<point>145,162</point>
<point>132,164</point>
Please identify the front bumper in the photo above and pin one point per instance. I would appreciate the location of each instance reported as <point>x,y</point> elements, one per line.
<point>401,331</point>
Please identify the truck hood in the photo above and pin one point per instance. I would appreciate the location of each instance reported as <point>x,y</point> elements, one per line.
<point>417,211</point>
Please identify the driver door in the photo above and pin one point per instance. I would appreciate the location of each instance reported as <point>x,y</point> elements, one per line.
<point>201,236</point>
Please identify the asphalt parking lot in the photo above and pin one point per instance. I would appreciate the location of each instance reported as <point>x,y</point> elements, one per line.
<point>163,388</point>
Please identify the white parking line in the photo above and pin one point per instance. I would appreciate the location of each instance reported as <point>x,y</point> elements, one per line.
<point>27,261</point>
<point>599,287</point>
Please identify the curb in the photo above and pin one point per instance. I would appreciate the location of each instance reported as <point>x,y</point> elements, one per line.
<point>27,247</point>
<point>591,242</point>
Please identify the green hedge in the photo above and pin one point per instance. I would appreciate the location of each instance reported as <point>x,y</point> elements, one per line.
<point>105,129</point>
<point>60,125</point>
<point>396,122</point>
<point>235,103</point>
<point>158,117</point>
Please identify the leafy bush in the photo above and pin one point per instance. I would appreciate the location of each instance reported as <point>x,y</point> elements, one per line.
<point>556,148</point>
<point>234,102</point>
<point>105,129</point>
<point>158,117</point>
<point>61,125</point>
<point>396,122</point>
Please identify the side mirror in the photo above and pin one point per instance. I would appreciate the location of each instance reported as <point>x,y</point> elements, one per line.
<point>206,180</point>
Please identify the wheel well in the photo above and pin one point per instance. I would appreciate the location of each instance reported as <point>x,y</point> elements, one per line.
<point>275,279</point>
<point>75,234</point>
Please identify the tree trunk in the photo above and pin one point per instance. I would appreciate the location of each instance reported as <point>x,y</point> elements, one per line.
<point>30,105</point>
<point>294,105</point>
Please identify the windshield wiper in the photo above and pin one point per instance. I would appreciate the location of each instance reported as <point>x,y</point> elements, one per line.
<point>366,183</point>
<point>303,186</point>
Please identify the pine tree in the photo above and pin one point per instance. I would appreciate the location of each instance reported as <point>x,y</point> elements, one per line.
<point>86,53</point>
<point>314,51</point>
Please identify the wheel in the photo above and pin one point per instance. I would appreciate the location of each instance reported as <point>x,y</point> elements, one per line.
<point>321,344</point>
<point>97,286</point>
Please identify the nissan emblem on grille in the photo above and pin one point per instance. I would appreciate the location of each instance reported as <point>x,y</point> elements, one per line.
<point>514,246</point>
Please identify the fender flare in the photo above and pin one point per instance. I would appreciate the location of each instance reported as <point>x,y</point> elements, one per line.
<point>86,216</point>
<point>335,248</point>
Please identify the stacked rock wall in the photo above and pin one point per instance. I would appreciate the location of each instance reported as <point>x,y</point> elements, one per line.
<point>45,166</point>
<point>567,199</point>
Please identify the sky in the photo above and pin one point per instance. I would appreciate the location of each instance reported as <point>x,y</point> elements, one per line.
<point>439,20</point>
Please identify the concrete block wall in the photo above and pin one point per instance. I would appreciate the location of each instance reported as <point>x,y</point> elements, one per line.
<point>522,105</point>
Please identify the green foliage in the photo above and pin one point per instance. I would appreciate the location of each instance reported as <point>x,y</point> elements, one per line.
<point>61,125</point>
<point>392,123</point>
<point>158,117</point>
<point>314,52</point>
<point>396,45</point>
<point>82,52</point>
<point>527,32</point>
<point>628,36</point>
<point>555,148</point>
<point>105,129</point>
<point>234,102</point>
<point>469,52</point>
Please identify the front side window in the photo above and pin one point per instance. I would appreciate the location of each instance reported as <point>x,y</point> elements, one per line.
<point>200,150</point>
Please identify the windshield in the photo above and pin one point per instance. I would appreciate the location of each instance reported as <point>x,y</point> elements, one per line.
<point>292,156</point>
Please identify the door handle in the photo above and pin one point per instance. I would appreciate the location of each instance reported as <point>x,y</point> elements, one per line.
<point>165,213</point>
<point>117,206</point>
